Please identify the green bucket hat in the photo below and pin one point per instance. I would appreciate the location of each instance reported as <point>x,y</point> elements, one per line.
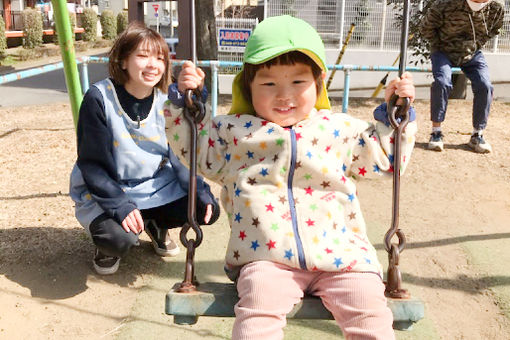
<point>275,36</point>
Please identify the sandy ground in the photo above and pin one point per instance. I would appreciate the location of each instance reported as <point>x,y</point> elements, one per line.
<point>455,212</point>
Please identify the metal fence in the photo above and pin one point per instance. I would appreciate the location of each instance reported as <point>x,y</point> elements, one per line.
<point>376,25</point>
<point>16,20</point>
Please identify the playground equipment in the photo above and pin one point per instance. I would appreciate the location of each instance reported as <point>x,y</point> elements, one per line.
<point>184,301</point>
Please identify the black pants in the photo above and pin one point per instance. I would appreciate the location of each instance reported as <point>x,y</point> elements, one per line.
<point>111,239</point>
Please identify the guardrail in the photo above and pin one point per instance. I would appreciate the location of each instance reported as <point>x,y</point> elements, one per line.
<point>214,65</point>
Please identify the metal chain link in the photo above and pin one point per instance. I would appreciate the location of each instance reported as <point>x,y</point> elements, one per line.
<point>194,112</point>
<point>399,118</point>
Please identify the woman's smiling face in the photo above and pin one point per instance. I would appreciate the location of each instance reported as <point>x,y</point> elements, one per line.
<point>145,67</point>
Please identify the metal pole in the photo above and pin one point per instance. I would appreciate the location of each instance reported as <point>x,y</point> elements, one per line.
<point>345,99</point>
<point>193,33</point>
<point>214,86</point>
<point>85,74</point>
<point>65,40</point>
<point>265,9</point>
<point>495,47</point>
<point>403,39</point>
<point>383,26</point>
<point>342,22</point>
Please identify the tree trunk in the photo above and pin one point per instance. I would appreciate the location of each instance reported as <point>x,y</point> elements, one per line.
<point>207,47</point>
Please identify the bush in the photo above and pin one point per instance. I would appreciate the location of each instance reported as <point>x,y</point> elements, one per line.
<point>89,23</point>
<point>72,21</point>
<point>122,21</point>
<point>3,38</point>
<point>108,25</point>
<point>32,28</point>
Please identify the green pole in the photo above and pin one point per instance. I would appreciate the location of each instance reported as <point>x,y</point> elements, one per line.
<point>65,40</point>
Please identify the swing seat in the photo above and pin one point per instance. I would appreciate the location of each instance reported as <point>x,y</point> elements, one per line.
<point>218,299</point>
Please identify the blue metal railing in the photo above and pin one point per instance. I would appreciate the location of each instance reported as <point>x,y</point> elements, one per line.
<point>214,65</point>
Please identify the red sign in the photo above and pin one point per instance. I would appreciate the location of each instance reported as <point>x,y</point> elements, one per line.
<point>156,7</point>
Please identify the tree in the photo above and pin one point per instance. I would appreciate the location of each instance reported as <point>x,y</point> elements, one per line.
<point>362,25</point>
<point>207,46</point>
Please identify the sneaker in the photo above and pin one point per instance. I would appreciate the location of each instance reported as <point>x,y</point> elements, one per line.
<point>436,141</point>
<point>161,242</point>
<point>478,144</point>
<point>104,264</point>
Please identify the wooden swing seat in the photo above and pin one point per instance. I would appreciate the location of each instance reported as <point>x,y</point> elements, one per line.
<point>218,299</point>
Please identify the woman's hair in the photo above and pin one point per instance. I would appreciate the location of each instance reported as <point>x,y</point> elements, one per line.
<point>126,44</point>
<point>290,58</point>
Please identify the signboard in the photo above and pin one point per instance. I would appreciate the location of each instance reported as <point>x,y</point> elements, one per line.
<point>232,39</point>
<point>156,7</point>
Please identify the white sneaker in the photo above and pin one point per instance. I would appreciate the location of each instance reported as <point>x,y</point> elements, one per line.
<point>436,141</point>
<point>478,144</point>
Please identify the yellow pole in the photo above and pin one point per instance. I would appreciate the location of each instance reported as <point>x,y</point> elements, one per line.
<point>341,54</point>
<point>383,80</point>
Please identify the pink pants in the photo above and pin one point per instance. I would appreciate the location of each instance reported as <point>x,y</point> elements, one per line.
<point>268,291</point>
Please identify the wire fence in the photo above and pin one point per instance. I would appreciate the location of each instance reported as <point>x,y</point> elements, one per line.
<point>376,25</point>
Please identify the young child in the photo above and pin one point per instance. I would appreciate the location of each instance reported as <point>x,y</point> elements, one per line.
<point>288,167</point>
<point>126,178</point>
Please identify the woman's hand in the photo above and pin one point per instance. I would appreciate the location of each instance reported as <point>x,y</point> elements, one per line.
<point>402,87</point>
<point>133,222</point>
<point>190,77</point>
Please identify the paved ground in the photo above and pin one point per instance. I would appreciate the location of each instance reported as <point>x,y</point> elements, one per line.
<point>45,88</point>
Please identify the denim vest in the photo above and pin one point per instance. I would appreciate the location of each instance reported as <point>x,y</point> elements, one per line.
<point>141,156</point>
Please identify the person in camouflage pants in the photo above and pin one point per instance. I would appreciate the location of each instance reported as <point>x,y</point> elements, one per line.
<point>457,30</point>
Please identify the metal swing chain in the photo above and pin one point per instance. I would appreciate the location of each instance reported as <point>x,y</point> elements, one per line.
<point>399,118</point>
<point>194,112</point>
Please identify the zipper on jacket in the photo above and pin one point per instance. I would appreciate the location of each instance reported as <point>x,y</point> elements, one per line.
<point>301,254</point>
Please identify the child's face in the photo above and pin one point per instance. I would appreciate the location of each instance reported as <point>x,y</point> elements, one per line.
<point>284,94</point>
<point>145,68</point>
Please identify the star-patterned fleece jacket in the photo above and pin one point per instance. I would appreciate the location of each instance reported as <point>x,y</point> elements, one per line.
<point>290,192</point>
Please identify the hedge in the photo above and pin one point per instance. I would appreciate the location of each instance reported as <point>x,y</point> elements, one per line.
<point>3,38</point>
<point>32,28</point>
<point>72,20</point>
<point>122,21</point>
<point>89,23</point>
<point>108,25</point>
